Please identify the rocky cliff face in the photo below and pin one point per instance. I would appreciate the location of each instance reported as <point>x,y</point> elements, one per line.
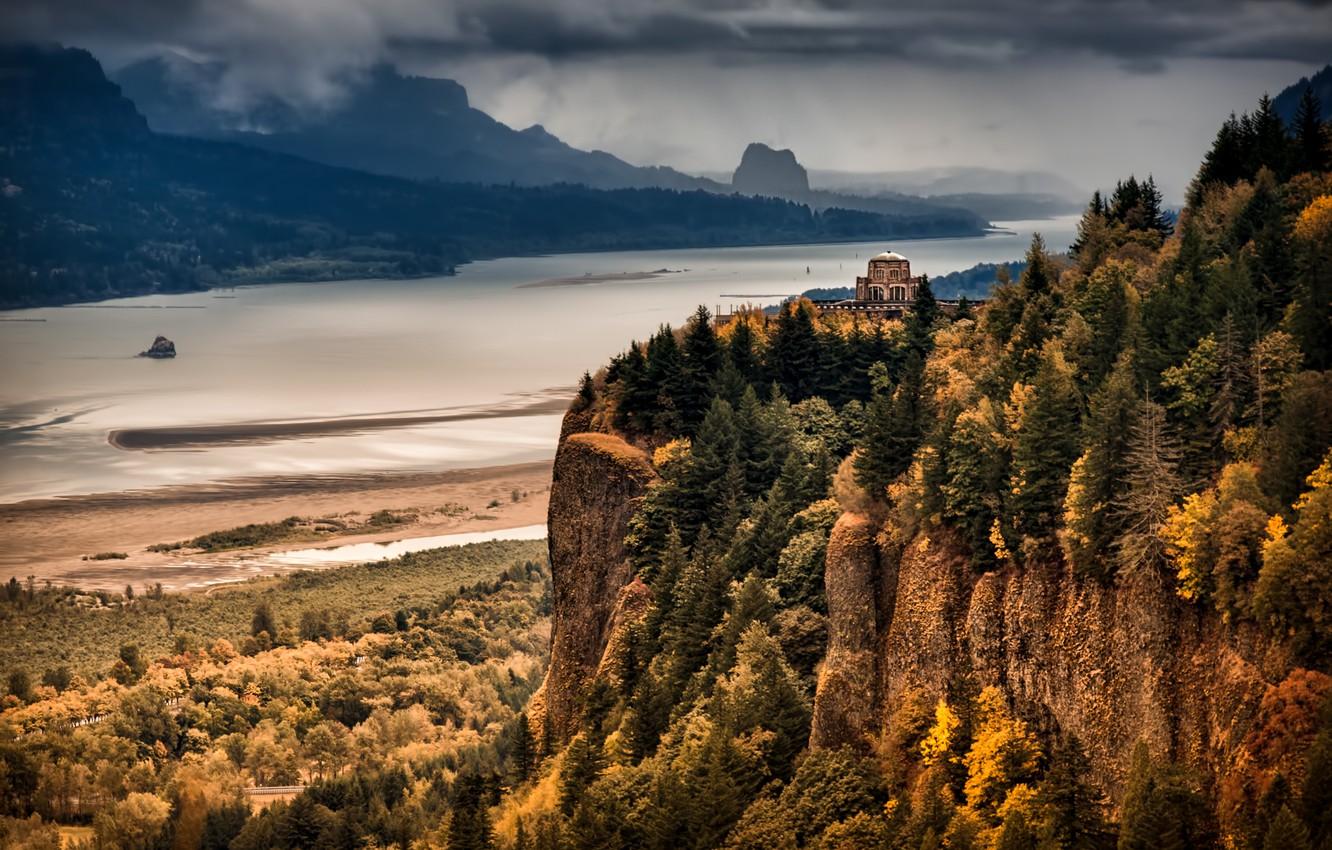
<point>764,171</point>
<point>595,486</point>
<point>1111,665</point>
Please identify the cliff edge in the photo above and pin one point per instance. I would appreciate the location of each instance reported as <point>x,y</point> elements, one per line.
<point>595,486</point>
<point>1111,665</point>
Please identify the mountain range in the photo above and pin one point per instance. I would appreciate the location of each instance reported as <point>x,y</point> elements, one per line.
<point>426,128</point>
<point>389,123</point>
<point>95,204</point>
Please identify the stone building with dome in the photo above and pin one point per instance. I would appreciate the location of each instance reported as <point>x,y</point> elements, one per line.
<point>888,279</point>
<point>886,290</point>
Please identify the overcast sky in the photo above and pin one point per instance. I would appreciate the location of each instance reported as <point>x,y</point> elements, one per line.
<point>1090,89</point>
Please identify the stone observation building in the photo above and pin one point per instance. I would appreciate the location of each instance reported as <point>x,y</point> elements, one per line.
<point>886,291</point>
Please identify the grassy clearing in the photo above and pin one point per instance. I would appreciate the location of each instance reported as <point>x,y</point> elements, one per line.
<point>51,630</point>
<point>289,530</point>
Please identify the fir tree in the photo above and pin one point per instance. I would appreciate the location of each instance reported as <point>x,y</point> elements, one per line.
<point>702,357</point>
<point>1163,808</point>
<point>1310,134</point>
<point>793,354</point>
<point>1044,449</point>
<point>665,375</point>
<point>1076,817</point>
<point>523,754</point>
<point>1099,477</point>
<point>583,763</point>
<point>1152,486</point>
<point>1286,833</point>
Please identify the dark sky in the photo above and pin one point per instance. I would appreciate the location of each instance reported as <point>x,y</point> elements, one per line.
<point>1086,88</point>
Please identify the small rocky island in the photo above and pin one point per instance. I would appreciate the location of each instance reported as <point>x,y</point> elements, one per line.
<point>161,349</point>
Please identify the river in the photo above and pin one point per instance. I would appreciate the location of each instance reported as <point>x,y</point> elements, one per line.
<point>437,349</point>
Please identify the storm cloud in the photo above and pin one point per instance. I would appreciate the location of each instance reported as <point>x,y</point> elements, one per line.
<point>687,82</point>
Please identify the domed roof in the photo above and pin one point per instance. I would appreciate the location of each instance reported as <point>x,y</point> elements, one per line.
<point>888,255</point>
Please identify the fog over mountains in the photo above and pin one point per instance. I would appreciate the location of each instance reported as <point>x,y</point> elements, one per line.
<point>426,128</point>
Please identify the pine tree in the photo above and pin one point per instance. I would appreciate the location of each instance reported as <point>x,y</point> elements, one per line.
<point>1152,486</point>
<point>524,748</point>
<point>1153,215</point>
<point>1044,450</point>
<point>583,763</point>
<point>664,374</point>
<point>1163,808</point>
<point>876,466</point>
<point>977,470</point>
<point>702,358</point>
<point>1311,140</point>
<point>920,321</point>
<point>1286,833</point>
<point>1076,817</point>
<point>1098,479</point>
<point>794,355</point>
<point>635,397</point>
<point>1269,146</point>
<point>743,353</point>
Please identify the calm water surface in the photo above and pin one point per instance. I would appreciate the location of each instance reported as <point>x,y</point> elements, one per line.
<point>370,348</point>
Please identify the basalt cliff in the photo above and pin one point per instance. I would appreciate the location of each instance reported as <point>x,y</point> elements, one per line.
<point>1112,665</point>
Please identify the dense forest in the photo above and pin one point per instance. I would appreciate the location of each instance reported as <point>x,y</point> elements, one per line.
<point>390,715</point>
<point>94,205</point>
<point>1153,410</point>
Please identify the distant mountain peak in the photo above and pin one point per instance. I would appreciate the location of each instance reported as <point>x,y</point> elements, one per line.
<point>766,171</point>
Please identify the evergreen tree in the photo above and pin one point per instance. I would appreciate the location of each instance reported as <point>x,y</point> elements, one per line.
<point>702,358</point>
<point>1152,486</point>
<point>977,471</point>
<point>1269,146</point>
<point>1099,477</point>
<point>1286,833</point>
<point>1311,141</point>
<point>1044,449</point>
<point>583,763</point>
<point>587,393</point>
<point>635,397</point>
<point>920,321</point>
<point>1163,809</point>
<point>469,826</point>
<point>1076,817</point>
<point>875,467</point>
<point>664,374</point>
<point>523,754</point>
<point>794,356</point>
<point>743,353</point>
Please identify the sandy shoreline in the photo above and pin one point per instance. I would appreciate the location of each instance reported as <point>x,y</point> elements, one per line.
<point>204,436</point>
<point>610,277</point>
<point>47,538</point>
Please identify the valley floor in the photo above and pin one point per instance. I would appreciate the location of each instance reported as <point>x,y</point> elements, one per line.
<point>49,539</point>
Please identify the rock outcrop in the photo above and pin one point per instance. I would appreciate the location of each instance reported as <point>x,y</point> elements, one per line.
<point>1110,665</point>
<point>596,483</point>
<point>161,349</point>
<point>764,171</point>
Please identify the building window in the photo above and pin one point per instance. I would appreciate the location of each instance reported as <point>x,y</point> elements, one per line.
<point>899,293</point>
<point>878,274</point>
<point>876,293</point>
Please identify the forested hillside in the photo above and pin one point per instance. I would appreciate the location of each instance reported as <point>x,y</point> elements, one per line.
<point>1052,573</point>
<point>94,205</point>
<point>1056,574</point>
